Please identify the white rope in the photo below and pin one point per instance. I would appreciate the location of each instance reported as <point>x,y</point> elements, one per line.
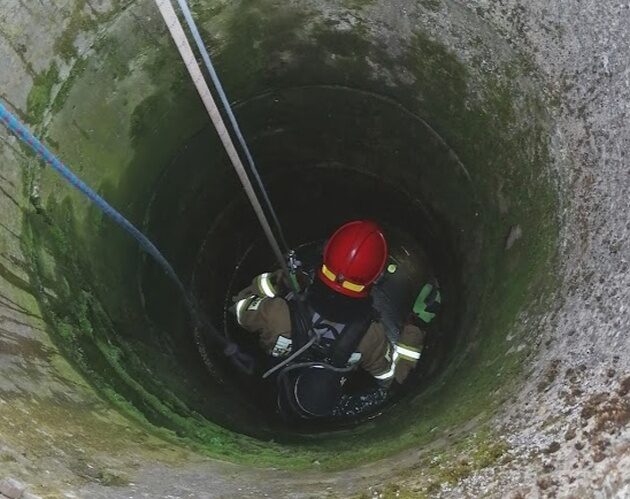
<point>216,81</point>
<point>185,50</point>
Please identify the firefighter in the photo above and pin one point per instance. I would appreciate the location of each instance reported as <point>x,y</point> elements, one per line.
<point>318,342</point>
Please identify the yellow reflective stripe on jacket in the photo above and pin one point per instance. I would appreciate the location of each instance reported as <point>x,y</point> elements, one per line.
<point>265,285</point>
<point>408,353</point>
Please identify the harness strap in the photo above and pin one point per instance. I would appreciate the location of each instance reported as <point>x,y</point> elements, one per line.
<point>345,343</point>
<point>299,326</point>
<point>348,341</point>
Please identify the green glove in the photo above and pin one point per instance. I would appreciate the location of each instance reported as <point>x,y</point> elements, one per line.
<point>427,303</point>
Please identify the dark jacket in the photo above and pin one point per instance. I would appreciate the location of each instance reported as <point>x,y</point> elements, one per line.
<point>262,312</point>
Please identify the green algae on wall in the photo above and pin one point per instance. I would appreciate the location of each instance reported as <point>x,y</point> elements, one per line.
<point>39,97</point>
<point>85,269</point>
<point>85,334</point>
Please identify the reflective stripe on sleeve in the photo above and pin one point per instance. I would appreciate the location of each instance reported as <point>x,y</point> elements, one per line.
<point>408,353</point>
<point>392,369</point>
<point>240,308</point>
<point>265,285</point>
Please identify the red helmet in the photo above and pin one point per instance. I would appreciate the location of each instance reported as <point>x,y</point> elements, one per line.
<point>354,258</point>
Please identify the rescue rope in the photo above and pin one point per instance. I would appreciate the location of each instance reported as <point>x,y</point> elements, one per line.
<point>192,26</point>
<point>23,133</point>
<point>15,126</point>
<point>185,50</point>
<point>291,357</point>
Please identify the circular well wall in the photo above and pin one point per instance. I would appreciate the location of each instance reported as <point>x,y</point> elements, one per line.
<point>491,199</point>
<point>320,100</point>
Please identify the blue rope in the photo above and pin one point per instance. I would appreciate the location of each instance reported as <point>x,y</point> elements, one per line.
<point>24,134</point>
<point>183,5</point>
<point>241,360</point>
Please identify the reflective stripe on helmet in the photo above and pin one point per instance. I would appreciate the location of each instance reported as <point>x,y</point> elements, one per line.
<point>265,285</point>
<point>357,288</point>
<point>329,275</point>
<point>408,353</point>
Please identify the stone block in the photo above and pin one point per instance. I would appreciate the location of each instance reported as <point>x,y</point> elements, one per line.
<point>12,488</point>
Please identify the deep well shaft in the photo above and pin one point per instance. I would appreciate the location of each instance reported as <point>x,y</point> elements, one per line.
<point>492,135</point>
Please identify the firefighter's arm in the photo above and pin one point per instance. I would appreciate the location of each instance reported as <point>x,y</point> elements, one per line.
<point>385,361</point>
<point>270,319</point>
<point>266,285</point>
<point>271,284</point>
<point>408,350</point>
<point>411,340</point>
<point>377,354</point>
